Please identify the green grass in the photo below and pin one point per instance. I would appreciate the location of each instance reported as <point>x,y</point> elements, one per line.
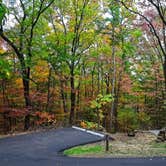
<point>83,150</point>
<point>159,145</point>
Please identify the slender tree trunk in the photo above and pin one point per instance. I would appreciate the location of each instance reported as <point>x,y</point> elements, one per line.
<point>98,119</point>
<point>85,86</point>
<point>92,81</point>
<point>102,82</point>
<point>113,85</point>
<point>107,82</point>
<point>48,89</point>
<point>116,105</point>
<point>164,69</point>
<point>25,79</point>
<point>78,99</point>
<point>98,80</point>
<point>72,97</point>
<point>63,96</point>
<point>156,102</point>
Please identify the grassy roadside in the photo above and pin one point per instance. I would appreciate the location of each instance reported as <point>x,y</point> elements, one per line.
<point>143,145</point>
<point>84,150</point>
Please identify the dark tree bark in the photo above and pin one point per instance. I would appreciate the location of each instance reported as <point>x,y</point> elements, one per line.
<point>98,78</point>
<point>63,96</point>
<point>48,89</point>
<point>92,80</point>
<point>78,99</point>
<point>164,69</point>
<point>72,97</point>
<point>26,78</point>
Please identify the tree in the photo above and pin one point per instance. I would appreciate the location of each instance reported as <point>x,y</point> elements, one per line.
<point>99,103</point>
<point>153,13</point>
<point>74,33</point>
<point>121,37</point>
<point>20,39</point>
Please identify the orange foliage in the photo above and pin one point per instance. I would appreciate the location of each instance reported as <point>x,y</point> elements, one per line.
<point>45,118</point>
<point>83,124</point>
<point>126,84</point>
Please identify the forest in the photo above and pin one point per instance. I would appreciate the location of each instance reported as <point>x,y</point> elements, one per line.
<point>98,64</point>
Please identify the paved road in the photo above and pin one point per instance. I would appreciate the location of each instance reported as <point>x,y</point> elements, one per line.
<point>41,149</point>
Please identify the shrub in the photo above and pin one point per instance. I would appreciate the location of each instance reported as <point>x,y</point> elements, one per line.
<point>127,120</point>
<point>45,118</point>
<point>90,125</point>
<point>99,106</point>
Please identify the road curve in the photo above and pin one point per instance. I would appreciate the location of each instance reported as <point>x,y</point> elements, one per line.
<point>42,149</point>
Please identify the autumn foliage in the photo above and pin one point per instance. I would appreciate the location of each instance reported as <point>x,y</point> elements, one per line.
<point>98,65</point>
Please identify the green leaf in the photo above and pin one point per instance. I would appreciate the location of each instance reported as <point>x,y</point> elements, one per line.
<point>3,11</point>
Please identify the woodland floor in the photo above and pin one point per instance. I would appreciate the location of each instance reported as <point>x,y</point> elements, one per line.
<point>142,145</point>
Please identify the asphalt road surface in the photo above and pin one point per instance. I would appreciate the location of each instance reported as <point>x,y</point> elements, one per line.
<point>42,149</point>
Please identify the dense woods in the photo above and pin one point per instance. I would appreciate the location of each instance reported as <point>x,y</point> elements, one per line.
<point>97,64</point>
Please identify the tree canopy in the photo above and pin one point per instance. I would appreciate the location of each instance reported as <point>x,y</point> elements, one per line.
<point>57,58</point>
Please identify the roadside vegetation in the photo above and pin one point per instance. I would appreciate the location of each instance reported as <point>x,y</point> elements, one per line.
<point>142,145</point>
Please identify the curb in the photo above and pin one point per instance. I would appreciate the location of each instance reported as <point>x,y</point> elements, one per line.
<point>88,131</point>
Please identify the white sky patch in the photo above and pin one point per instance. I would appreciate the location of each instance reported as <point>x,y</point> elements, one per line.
<point>107,15</point>
<point>10,19</point>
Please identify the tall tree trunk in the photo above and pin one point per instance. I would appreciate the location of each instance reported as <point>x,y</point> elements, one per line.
<point>164,69</point>
<point>63,96</point>
<point>78,99</point>
<point>48,89</point>
<point>107,82</point>
<point>102,81</point>
<point>156,102</point>
<point>72,97</point>
<point>112,112</point>
<point>92,81</point>
<point>85,85</point>
<point>25,79</point>
<point>98,79</point>
<point>117,93</point>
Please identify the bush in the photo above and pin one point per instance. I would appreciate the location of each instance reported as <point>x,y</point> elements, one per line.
<point>45,118</point>
<point>90,125</point>
<point>143,120</point>
<point>88,114</point>
<point>127,120</point>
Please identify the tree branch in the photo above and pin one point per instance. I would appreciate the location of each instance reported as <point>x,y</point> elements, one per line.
<point>150,24</point>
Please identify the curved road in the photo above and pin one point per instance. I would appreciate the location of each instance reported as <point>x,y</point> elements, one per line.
<point>41,149</point>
